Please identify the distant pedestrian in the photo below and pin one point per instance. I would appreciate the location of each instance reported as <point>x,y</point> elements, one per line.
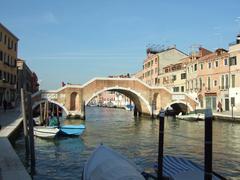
<point>220,106</point>
<point>5,105</point>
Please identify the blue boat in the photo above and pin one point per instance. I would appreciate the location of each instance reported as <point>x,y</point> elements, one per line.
<point>72,130</point>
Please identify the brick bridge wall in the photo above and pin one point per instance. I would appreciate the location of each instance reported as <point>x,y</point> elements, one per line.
<point>148,99</point>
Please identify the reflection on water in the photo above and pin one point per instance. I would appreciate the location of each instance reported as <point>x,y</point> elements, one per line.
<point>137,139</point>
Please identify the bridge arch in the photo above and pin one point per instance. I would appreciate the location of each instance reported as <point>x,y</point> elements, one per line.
<point>179,102</point>
<point>51,101</point>
<point>130,93</point>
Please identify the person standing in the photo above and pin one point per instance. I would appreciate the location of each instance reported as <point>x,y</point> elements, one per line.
<point>220,106</point>
<point>4,105</point>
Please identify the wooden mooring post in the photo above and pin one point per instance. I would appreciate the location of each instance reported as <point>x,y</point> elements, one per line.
<point>153,105</point>
<point>161,144</point>
<point>41,113</point>
<point>26,103</point>
<point>208,145</point>
<point>31,135</point>
<point>84,111</point>
<point>25,125</point>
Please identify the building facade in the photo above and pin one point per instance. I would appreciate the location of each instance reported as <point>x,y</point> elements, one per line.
<point>26,79</point>
<point>212,78</point>
<point>155,62</point>
<point>234,75</point>
<point>212,82</point>
<point>8,62</point>
<point>35,84</point>
<point>174,77</point>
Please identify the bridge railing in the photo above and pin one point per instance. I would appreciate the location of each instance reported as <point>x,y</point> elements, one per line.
<point>49,95</point>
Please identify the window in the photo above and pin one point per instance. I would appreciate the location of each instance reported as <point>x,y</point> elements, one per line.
<point>222,82</point>
<point>215,82</point>
<point>232,101</point>
<point>174,77</point>
<point>4,57</point>
<point>8,43</point>
<point>15,47</point>
<point>209,83</point>
<point>216,63</point>
<point>1,55</point>
<point>196,83</point>
<point>200,83</point>
<point>0,36</point>
<point>225,62</point>
<point>156,60</point>
<point>175,89</point>
<point>233,80</point>
<point>209,65</point>
<point>0,75</point>
<point>195,67</point>
<point>183,76</point>
<point>5,39</point>
<point>227,83</point>
<point>182,88</point>
<point>233,61</point>
<point>151,62</point>
<point>201,65</point>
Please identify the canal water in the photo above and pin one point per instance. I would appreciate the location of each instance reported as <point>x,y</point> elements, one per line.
<point>137,139</point>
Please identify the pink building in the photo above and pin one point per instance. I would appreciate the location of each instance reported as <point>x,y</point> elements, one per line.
<point>151,69</point>
<point>213,79</point>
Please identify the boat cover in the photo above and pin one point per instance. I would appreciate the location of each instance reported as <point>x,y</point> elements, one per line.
<point>80,126</point>
<point>179,168</point>
<point>106,164</point>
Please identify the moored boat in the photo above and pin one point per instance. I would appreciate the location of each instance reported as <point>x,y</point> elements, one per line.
<point>45,131</point>
<point>106,164</point>
<point>72,130</point>
<point>178,168</point>
<point>191,117</point>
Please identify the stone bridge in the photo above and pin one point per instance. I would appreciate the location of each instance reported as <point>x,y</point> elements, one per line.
<point>148,100</point>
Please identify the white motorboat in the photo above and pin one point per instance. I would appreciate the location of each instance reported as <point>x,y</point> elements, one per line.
<point>106,164</point>
<point>191,117</point>
<point>45,131</point>
<point>37,120</point>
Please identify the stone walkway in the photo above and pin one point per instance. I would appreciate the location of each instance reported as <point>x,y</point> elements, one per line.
<point>11,168</point>
<point>9,116</point>
<point>228,113</point>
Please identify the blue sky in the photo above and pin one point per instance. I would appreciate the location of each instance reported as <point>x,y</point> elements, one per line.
<point>76,40</point>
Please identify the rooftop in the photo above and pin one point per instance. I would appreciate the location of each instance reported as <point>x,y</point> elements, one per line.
<point>6,29</point>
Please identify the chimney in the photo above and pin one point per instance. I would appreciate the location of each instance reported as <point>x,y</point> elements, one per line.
<point>238,39</point>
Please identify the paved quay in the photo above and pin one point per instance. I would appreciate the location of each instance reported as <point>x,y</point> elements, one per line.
<point>11,167</point>
<point>227,116</point>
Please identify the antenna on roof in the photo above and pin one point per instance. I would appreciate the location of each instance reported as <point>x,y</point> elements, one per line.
<point>194,49</point>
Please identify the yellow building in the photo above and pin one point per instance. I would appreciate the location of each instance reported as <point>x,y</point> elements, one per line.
<point>8,69</point>
<point>174,76</point>
<point>158,59</point>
